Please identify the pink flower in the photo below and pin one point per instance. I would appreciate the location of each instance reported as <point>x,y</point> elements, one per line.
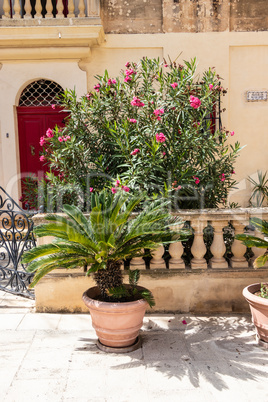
<point>160,137</point>
<point>49,133</point>
<point>60,139</point>
<point>128,78</point>
<point>132,120</point>
<point>125,188</point>
<point>174,85</point>
<point>117,183</point>
<point>91,189</point>
<point>53,106</point>
<point>196,179</point>
<point>137,102</point>
<point>222,177</point>
<point>211,86</point>
<point>178,188</point>
<point>42,158</point>
<point>136,151</point>
<point>42,141</point>
<point>184,322</point>
<point>97,87</point>
<point>163,153</point>
<point>232,172</point>
<point>114,81</point>
<point>130,72</point>
<point>113,190</point>
<point>68,137</point>
<point>232,133</point>
<point>158,112</point>
<point>127,64</point>
<point>195,102</point>
<point>88,96</point>
<point>165,65</point>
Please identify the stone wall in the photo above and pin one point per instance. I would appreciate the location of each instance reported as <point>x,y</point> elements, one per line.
<point>155,16</point>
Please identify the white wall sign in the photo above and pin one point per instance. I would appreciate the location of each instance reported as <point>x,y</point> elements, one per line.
<point>255,96</point>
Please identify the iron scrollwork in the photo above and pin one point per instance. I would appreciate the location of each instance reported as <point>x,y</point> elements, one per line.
<point>16,236</point>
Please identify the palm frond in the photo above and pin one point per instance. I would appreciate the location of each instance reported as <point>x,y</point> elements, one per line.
<point>252,241</point>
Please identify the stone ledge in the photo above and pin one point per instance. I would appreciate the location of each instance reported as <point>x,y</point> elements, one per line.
<point>201,291</point>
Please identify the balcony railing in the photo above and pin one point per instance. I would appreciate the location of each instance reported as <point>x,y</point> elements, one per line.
<point>48,9</point>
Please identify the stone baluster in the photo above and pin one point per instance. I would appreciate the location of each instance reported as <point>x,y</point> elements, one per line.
<point>49,9</point>
<point>81,8</point>
<point>38,9</point>
<point>60,8</point>
<point>157,262</point>
<point>198,248</point>
<point>17,10</point>
<point>6,8</point>
<point>137,263</point>
<point>238,249</point>
<point>93,8</point>
<point>218,247</point>
<point>71,9</point>
<point>28,9</point>
<point>256,250</point>
<point>176,251</point>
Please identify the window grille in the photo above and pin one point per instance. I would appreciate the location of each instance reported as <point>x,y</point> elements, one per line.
<point>41,93</point>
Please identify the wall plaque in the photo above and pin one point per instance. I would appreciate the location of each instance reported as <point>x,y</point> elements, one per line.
<point>256,96</point>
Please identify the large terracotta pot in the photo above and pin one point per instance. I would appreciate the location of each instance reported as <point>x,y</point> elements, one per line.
<point>259,310</point>
<point>116,324</point>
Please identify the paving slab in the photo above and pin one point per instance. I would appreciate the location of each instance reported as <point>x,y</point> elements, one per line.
<point>54,358</point>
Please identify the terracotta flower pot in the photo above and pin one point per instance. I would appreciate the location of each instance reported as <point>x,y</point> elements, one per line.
<point>116,324</point>
<point>259,310</point>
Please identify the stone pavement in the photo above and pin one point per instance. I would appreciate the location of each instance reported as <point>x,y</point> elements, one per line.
<point>53,357</point>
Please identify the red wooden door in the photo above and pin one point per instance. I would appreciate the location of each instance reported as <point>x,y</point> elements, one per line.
<point>32,124</point>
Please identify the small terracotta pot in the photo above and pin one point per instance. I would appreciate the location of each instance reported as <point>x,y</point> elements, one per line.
<point>116,324</point>
<point>259,310</point>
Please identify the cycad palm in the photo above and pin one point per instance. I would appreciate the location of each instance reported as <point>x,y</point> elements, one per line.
<point>102,241</point>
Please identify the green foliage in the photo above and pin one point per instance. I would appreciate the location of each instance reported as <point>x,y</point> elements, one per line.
<point>254,241</point>
<point>260,190</point>
<point>264,290</point>
<point>108,236</point>
<point>144,128</point>
<point>132,292</point>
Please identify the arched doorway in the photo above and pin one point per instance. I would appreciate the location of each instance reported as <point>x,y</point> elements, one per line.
<point>38,110</point>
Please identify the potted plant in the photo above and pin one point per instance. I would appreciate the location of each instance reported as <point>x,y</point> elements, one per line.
<point>257,293</point>
<point>111,234</point>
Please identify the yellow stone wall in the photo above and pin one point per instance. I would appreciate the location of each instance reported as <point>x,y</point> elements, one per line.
<point>196,292</point>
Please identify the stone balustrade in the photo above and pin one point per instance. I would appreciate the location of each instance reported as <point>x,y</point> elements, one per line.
<point>202,256</point>
<point>59,9</point>
<point>218,219</point>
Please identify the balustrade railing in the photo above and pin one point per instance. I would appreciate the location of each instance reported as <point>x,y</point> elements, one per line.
<point>212,245</point>
<point>219,251</point>
<point>48,9</point>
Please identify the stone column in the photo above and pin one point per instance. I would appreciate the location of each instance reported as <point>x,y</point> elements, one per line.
<point>157,262</point>
<point>218,247</point>
<point>238,249</point>
<point>198,248</point>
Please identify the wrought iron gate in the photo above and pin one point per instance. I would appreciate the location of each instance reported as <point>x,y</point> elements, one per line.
<point>16,236</point>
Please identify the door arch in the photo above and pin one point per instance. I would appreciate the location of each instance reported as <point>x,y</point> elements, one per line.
<point>37,111</point>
